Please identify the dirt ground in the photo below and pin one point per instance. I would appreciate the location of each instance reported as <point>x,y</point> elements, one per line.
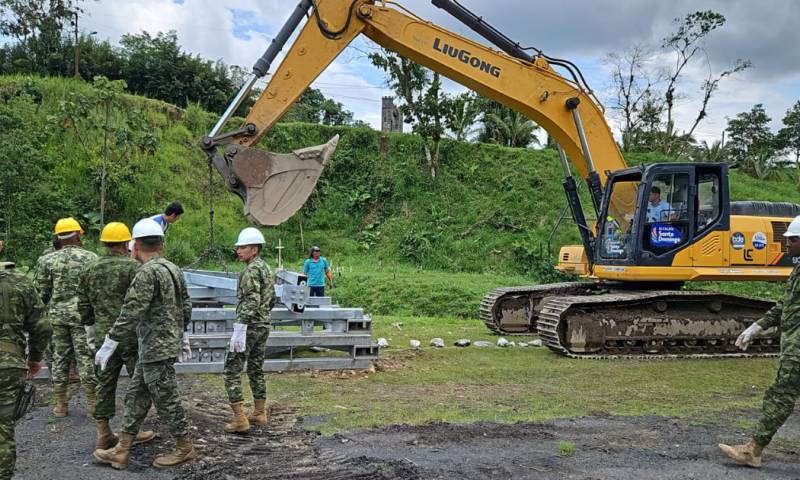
<point>605,447</point>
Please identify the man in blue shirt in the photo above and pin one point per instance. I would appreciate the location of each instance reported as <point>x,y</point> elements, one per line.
<point>318,269</point>
<point>171,215</point>
<point>657,209</point>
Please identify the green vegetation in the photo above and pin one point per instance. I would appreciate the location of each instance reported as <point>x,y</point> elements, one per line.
<point>401,242</point>
<point>566,448</point>
<point>508,384</point>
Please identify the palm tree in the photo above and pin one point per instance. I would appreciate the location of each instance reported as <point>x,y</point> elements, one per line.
<point>514,129</point>
<point>714,152</point>
<point>462,113</point>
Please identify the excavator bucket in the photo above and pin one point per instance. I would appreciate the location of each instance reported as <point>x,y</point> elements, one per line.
<point>276,185</point>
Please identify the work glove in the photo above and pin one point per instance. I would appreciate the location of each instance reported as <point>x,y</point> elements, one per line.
<point>105,352</point>
<point>90,336</point>
<point>186,349</point>
<point>33,369</point>
<point>747,336</point>
<point>239,338</point>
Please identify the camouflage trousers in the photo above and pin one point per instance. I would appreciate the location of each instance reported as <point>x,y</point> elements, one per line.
<point>779,400</point>
<point>107,379</point>
<point>11,380</point>
<point>69,341</point>
<point>254,356</point>
<point>154,383</point>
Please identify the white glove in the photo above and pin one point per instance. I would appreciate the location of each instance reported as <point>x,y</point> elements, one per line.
<point>90,336</point>
<point>239,338</point>
<point>186,350</point>
<point>747,336</point>
<point>105,352</point>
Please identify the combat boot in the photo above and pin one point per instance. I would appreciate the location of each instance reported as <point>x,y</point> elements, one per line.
<point>259,415</point>
<point>239,423</point>
<point>184,452</point>
<point>90,399</point>
<point>118,456</point>
<point>105,437</point>
<point>144,437</point>
<point>748,454</point>
<point>61,409</point>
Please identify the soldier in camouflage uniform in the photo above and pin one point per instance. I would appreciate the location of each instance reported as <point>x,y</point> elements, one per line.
<point>48,353</point>
<point>102,290</point>
<point>780,398</point>
<point>20,308</point>
<point>57,277</point>
<point>256,295</point>
<point>157,311</point>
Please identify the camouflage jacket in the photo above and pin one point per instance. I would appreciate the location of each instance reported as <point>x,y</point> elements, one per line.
<point>156,310</point>
<point>57,277</point>
<point>102,290</point>
<point>20,308</point>
<point>256,294</point>
<point>786,316</point>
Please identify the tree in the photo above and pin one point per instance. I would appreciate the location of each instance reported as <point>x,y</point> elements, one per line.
<point>714,152</point>
<point>515,129</point>
<point>461,114</point>
<point>634,89</point>
<point>314,107</point>
<point>686,42</point>
<point>109,132</point>
<point>751,141</point>
<point>788,137</point>
<point>38,25</point>
<point>421,99</point>
<point>646,108</point>
<point>505,126</point>
<point>158,68</point>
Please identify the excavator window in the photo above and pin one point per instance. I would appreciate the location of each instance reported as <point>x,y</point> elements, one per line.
<point>667,213</point>
<point>615,229</point>
<point>709,200</point>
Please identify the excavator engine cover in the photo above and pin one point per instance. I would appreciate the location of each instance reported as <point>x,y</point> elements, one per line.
<point>273,186</point>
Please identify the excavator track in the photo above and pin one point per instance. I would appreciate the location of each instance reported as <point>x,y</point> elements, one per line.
<point>513,310</point>
<point>638,324</point>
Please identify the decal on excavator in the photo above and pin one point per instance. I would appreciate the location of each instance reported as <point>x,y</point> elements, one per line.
<point>466,58</point>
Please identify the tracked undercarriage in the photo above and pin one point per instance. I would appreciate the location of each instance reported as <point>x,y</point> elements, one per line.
<point>592,320</point>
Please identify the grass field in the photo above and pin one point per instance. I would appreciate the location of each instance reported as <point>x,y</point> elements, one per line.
<point>508,384</point>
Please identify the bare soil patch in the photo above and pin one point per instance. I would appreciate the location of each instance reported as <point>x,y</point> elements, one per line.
<point>605,447</point>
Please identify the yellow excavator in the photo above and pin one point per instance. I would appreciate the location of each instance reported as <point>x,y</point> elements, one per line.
<point>659,225</point>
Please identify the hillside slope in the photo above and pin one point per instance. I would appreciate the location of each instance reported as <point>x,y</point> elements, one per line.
<point>491,209</point>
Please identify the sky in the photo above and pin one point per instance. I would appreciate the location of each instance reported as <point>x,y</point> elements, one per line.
<point>764,32</point>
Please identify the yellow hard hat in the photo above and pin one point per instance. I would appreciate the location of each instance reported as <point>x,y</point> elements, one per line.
<point>67,225</point>
<point>115,232</point>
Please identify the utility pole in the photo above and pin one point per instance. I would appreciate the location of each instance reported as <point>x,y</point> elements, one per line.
<point>77,49</point>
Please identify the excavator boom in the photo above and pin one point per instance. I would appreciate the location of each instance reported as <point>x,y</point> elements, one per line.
<point>565,108</point>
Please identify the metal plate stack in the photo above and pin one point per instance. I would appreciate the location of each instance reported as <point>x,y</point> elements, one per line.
<point>307,332</point>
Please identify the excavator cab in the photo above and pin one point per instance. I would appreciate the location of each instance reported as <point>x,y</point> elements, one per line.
<point>675,206</point>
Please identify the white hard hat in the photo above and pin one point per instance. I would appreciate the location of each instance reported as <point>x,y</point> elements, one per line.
<point>794,228</point>
<point>250,236</point>
<point>147,227</point>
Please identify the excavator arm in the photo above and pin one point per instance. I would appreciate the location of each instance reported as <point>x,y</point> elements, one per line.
<point>274,187</point>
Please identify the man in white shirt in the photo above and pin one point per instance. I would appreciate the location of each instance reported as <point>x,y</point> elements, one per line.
<point>171,215</point>
<point>657,209</point>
